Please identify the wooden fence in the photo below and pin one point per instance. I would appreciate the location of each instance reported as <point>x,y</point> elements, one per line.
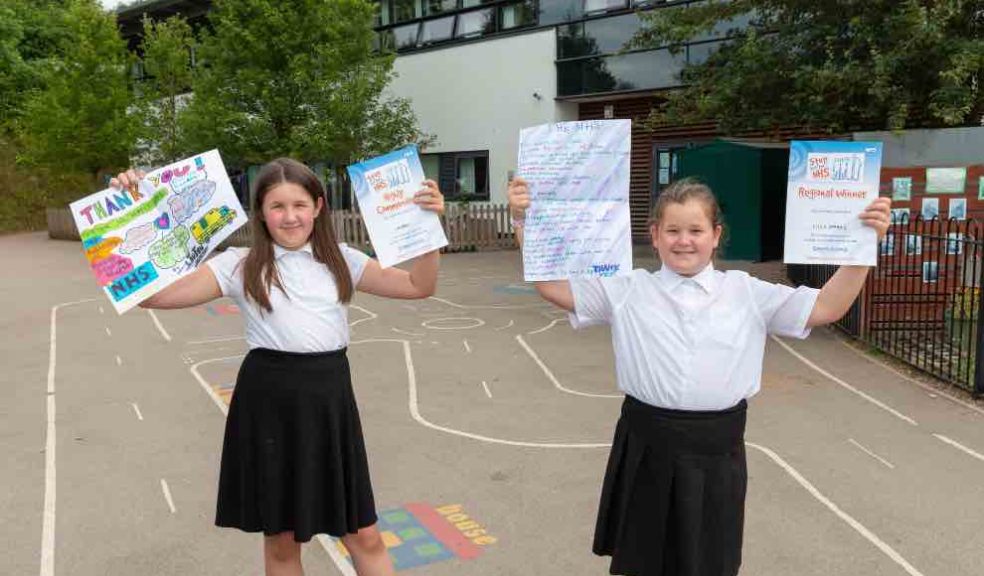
<point>469,227</point>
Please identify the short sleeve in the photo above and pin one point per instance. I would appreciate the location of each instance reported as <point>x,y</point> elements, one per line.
<point>228,271</point>
<point>356,261</point>
<point>785,309</point>
<point>597,299</point>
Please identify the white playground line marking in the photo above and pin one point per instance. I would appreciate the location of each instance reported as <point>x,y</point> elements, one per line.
<point>552,378</point>
<point>858,527</point>
<point>843,384</point>
<point>486,306</point>
<point>545,328</point>
<point>160,327</point>
<point>870,453</point>
<point>506,326</point>
<point>137,410</point>
<point>408,333</point>
<point>119,361</point>
<point>467,347</point>
<point>415,411</point>
<point>167,496</point>
<point>372,315</point>
<point>960,447</point>
<point>48,516</point>
<point>487,391</point>
<point>108,332</point>
<point>476,322</point>
<point>904,376</point>
<point>331,548</point>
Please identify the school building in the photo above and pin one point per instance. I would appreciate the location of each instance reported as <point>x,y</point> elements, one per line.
<point>478,71</point>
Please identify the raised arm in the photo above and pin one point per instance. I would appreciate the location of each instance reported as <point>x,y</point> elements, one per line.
<point>557,292</point>
<point>419,282</point>
<point>839,292</point>
<point>196,288</point>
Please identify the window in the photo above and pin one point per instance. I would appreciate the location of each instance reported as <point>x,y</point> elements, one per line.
<point>635,71</point>
<point>437,30</point>
<point>596,37</point>
<point>403,10</point>
<point>558,11</point>
<point>405,36</point>
<point>432,166</point>
<point>591,6</point>
<point>472,175</point>
<point>440,6</point>
<point>517,15</point>
<point>476,23</point>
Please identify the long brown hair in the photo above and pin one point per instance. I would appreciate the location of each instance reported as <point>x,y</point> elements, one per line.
<point>260,267</point>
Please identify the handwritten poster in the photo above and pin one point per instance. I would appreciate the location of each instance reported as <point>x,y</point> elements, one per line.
<point>578,176</point>
<point>830,184</point>
<point>138,242</point>
<point>398,228</point>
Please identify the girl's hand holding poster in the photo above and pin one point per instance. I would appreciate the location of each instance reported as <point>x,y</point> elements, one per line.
<point>830,184</point>
<point>398,228</point>
<point>139,241</point>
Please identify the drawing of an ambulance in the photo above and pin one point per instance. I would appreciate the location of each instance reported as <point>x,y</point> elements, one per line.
<point>213,221</point>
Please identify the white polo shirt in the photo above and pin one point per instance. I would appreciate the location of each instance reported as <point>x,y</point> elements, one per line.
<point>309,318</point>
<point>691,343</point>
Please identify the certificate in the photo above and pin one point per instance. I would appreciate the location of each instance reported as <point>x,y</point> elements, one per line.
<point>384,188</point>
<point>578,178</point>
<point>139,241</point>
<point>830,184</point>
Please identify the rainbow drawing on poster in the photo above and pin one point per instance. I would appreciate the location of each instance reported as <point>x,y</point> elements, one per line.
<point>139,241</point>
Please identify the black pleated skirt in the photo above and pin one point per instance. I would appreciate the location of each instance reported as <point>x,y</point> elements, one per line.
<point>673,500</point>
<point>294,458</point>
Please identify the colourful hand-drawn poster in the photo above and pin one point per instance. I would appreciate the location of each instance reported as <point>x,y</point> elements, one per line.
<point>830,184</point>
<point>578,175</point>
<point>137,242</point>
<point>398,228</point>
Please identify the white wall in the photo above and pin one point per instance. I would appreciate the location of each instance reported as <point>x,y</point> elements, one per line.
<point>478,96</point>
<point>941,147</point>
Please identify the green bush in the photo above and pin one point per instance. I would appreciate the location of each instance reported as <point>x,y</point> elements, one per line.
<point>25,193</point>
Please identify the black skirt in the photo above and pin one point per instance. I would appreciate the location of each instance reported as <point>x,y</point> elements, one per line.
<point>294,458</point>
<point>673,500</point>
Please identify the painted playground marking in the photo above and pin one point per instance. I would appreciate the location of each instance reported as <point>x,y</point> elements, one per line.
<point>48,516</point>
<point>843,384</point>
<point>453,323</point>
<point>847,518</point>
<point>346,568</point>
<point>418,534</point>
<point>552,378</point>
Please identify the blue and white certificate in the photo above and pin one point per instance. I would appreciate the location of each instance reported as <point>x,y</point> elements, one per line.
<point>830,184</point>
<point>578,221</point>
<point>398,228</point>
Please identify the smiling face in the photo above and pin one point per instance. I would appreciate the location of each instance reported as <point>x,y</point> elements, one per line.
<point>685,236</point>
<point>289,212</point>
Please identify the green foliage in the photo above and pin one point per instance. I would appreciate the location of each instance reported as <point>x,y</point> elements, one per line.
<point>294,78</point>
<point>26,192</point>
<point>833,66</point>
<point>167,48</point>
<point>30,33</point>
<point>77,121</point>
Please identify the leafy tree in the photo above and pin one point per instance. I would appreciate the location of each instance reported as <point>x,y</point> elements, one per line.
<point>78,120</point>
<point>297,78</point>
<point>832,66</point>
<point>167,50</point>
<point>29,37</point>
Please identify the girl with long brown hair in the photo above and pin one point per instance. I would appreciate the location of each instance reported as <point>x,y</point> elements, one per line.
<point>293,460</point>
